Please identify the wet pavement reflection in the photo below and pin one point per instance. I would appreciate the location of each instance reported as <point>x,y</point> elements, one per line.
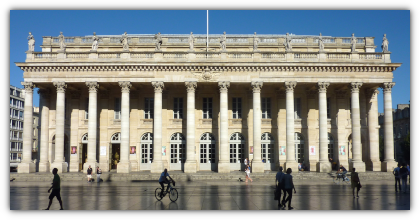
<point>208,195</point>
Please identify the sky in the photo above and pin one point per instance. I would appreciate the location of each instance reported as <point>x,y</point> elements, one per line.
<point>336,23</point>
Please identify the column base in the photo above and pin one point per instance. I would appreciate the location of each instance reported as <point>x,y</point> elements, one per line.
<point>26,167</point>
<point>223,167</point>
<point>312,166</point>
<point>156,167</point>
<point>292,165</point>
<point>61,166</point>
<point>323,167</point>
<point>92,165</point>
<point>104,167</point>
<point>190,167</point>
<point>123,167</point>
<point>44,167</point>
<point>388,166</point>
<point>373,165</point>
<point>359,165</point>
<point>257,167</point>
<point>74,166</point>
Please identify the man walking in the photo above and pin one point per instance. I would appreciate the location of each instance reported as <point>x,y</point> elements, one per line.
<point>89,174</point>
<point>55,190</point>
<point>279,183</point>
<point>403,175</point>
<point>397,177</point>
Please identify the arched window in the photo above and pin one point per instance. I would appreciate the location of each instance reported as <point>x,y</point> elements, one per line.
<point>116,138</point>
<point>85,138</point>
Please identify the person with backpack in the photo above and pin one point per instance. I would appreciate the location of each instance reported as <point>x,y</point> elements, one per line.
<point>397,177</point>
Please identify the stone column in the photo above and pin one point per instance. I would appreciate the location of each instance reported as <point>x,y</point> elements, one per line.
<point>44,163</point>
<point>59,162</point>
<point>191,163</point>
<point>290,127</point>
<point>157,164</point>
<point>389,161</point>
<point>257,165</point>
<point>355,129</point>
<point>27,166</point>
<point>93,126</point>
<point>124,165</point>
<point>323,165</point>
<point>373,164</point>
<point>224,164</point>
<point>74,131</point>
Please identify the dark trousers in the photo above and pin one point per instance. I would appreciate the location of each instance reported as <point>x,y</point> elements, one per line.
<point>278,191</point>
<point>397,180</point>
<point>289,197</point>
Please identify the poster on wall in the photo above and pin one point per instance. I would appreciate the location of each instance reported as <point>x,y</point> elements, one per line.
<point>342,150</point>
<point>133,150</point>
<point>282,150</point>
<point>251,149</point>
<point>103,151</point>
<point>73,150</point>
<point>163,150</point>
<point>312,150</point>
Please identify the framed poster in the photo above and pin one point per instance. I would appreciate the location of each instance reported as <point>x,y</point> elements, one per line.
<point>133,150</point>
<point>342,150</point>
<point>163,150</point>
<point>282,150</point>
<point>73,150</point>
<point>103,151</point>
<point>312,150</point>
<point>251,149</point>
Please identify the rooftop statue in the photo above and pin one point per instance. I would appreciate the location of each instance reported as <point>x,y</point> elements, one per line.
<point>223,41</point>
<point>191,41</point>
<point>353,42</point>
<point>158,41</point>
<point>288,42</point>
<point>124,41</point>
<point>256,41</point>
<point>95,40</point>
<point>31,42</point>
<point>61,42</point>
<point>321,43</point>
<point>385,43</point>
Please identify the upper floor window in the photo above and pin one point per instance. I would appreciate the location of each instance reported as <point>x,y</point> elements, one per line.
<point>266,107</point>
<point>117,108</point>
<point>297,108</point>
<point>148,108</point>
<point>178,107</point>
<point>237,108</point>
<point>328,108</point>
<point>207,108</point>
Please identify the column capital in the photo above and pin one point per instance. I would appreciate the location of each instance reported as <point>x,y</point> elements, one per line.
<point>290,86</point>
<point>340,93</point>
<point>191,86</point>
<point>323,86</point>
<point>28,86</point>
<point>61,86</point>
<point>158,85</point>
<point>355,86</point>
<point>93,86</point>
<point>125,86</point>
<point>387,87</point>
<point>44,93</point>
<point>256,86</point>
<point>224,86</point>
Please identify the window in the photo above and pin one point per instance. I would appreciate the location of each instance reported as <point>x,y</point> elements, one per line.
<point>87,109</point>
<point>148,108</point>
<point>297,108</point>
<point>328,108</point>
<point>207,108</point>
<point>178,106</point>
<point>117,108</point>
<point>266,107</point>
<point>237,108</point>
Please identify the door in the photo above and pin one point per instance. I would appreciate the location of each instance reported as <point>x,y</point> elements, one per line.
<point>267,155</point>
<point>115,155</point>
<point>207,156</point>
<point>177,156</point>
<point>236,156</point>
<point>146,156</point>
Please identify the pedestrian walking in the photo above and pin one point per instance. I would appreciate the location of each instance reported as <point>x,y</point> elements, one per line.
<point>89,174</point>
<point>397,176</point>
<point>355,182</point>
<point>247,174</point>
<point>279,185</point>
<point>404,174</point>
<point>98,174</point>
<point>55,190</point>
<point>288,187</point>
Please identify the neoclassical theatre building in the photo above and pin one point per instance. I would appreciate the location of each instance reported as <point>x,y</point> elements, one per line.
<point>146,102</point>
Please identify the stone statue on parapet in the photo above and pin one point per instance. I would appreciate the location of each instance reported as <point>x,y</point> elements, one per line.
<point>158,41</point>
<point>95,40</point>
<point>256,41</point>
<point>385,43</point>
<point>31,42</point>
<point>61,42</point>
<point>191,41</point>
<point>223,42</point>
<point>353,42</point>
<point>288,42</point>
<point>124,41</point>
<point>321,43</point>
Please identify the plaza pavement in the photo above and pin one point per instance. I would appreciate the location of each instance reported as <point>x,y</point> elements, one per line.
<point>208,195</point>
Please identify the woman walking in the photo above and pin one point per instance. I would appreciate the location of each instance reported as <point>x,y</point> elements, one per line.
<point>98,174</point>
<point>288,186</point>
<point>247,174</point>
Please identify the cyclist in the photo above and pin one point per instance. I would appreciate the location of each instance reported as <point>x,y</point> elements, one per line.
<point>342,171</point>
<point>163,180</point>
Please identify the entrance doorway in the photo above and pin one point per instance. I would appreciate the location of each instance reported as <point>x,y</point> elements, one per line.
<point>177,151</point>
<point>299,148</point>
<point>267,147</point>
<point>146,155</point>
<point>236,151</point>
<point>114,156</point>
<point>207,152</point>
<point>83,151</point>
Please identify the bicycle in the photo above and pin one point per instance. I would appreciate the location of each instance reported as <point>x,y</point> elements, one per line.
<point>173,193</point>
<point>339,178</point>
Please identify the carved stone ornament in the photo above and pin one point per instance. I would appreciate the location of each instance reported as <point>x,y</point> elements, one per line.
<point>191,41</point>
<point>191,86</point>
<point>158,41</point>
<point>31,42</point>
<point>158,85</point>
<point>340,93</point>
<point>387,87</point>
<point>95,40</point>
<point>256,41</point>
<point>321,43</point>
<point>28,86</point>
<point>353,41</point>
<point>224,86</point>
<point>355,86</point>
<point>256,86</point>
<point>124,41</point>
<point>207,74</point>
<point>311,93</point>
<point>93,86</point>
<point>323,86</point>
<point>290,86</point>
<point>385,43</point>
<point>288,42</point>
<point>61,86</point>
<point>44,93</point>
<point>125,86</point>
<point>61,42</point>
<point>223,42</point>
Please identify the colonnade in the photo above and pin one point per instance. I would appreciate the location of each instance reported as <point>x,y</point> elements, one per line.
<point>323,165</point>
